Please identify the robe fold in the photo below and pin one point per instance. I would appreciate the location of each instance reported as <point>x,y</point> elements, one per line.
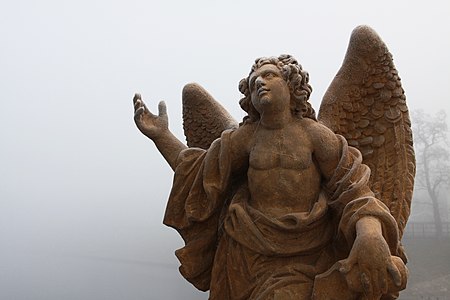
<point>238,252</point>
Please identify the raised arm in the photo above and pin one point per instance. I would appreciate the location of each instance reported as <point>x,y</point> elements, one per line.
<point>156,128</point>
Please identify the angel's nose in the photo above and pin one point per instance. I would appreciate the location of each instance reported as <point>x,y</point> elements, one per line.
<point>259,81</point>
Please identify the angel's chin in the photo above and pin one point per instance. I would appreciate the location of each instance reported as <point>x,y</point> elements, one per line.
<point>263,103</point>
<point>265,100</point>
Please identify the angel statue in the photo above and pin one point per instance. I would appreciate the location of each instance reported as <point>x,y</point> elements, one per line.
<point>284,205</point>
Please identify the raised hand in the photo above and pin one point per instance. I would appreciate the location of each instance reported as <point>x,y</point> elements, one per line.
<point>156,127</point>
<point>153,126</point>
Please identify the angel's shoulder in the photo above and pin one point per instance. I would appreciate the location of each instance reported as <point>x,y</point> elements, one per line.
<point>318,131</point>
<point>324,141</point>
<point>242,136</point>
<point>245,130</point>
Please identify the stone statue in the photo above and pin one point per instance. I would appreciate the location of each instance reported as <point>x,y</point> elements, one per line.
<point>282,206</point>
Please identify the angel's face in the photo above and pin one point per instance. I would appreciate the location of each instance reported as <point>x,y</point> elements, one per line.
<point>268,89</point>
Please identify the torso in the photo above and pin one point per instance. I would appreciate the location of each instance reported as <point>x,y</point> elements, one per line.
<point>282,174</point>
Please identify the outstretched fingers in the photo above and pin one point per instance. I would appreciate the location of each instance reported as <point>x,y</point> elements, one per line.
<point>162,109</point>
<point>136,97</point>
<point>139,106</point>
<point>137,102</point>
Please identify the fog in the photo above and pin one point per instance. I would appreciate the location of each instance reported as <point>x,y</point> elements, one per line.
<point>82,192</point>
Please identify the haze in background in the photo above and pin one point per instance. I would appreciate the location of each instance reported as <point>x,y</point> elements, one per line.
<point>82,192</point>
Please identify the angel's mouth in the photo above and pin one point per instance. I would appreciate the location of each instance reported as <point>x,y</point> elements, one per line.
<point>262,91</point>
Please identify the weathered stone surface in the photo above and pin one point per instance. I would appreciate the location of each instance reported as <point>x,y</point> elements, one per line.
<point>280,206</point>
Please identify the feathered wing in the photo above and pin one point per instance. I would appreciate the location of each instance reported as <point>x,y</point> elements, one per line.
<point>204,119</point>
<point>366,104</point>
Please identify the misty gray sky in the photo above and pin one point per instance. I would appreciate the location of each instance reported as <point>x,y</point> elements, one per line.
<point>82,192</point>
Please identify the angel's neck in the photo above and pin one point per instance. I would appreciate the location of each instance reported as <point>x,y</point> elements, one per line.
<point>276,120</point>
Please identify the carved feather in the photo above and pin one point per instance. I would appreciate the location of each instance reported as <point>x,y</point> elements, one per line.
<point>204,119</point>
<point>366,104</point>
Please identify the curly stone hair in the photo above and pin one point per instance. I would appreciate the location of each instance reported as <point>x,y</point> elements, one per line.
<point>297,80</point>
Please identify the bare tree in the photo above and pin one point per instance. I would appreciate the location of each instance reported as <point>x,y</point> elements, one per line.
<point>433,158</point>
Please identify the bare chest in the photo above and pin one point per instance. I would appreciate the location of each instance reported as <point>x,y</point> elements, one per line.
<point>280,150</point>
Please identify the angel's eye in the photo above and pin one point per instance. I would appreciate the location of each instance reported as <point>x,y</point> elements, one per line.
<point>269,75</point>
